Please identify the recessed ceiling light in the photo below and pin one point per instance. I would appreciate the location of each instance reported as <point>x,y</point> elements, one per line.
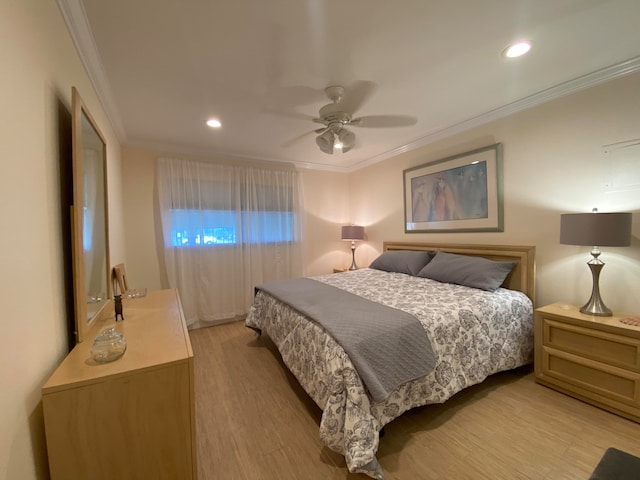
<point>214,123</point>
<point>517,49</point>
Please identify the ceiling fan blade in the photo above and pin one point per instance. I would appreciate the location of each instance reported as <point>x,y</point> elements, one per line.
<point>300,137</point>
<point>384,121</point>
<point>357,94</point>
<point>296,95</point>
<point>291,114</point>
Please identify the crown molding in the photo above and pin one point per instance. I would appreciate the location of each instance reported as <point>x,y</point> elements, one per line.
<point>172,149</point>
<point>78,26</point>
<point>586,81</point>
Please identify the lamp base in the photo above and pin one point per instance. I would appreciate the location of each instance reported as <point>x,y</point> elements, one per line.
<point>595,305</point>
<point>353,256</point>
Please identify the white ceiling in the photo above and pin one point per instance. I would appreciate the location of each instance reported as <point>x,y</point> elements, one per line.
<point>163,67</point>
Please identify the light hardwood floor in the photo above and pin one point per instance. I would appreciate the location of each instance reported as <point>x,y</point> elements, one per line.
<point>254,422</point>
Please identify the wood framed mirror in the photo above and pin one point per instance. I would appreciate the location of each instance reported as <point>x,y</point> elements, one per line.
<point>89,219</point>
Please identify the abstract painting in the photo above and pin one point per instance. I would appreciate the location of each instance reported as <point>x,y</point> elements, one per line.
<point>456,194</point>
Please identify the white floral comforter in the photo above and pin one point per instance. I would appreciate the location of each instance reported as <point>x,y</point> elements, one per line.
<point>473,334</point>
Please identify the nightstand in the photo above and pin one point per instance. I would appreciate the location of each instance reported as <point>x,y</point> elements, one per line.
<point>594,359</point>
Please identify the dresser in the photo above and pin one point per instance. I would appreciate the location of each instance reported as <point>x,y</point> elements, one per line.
<point>595,359</point>
<point>133,418</point>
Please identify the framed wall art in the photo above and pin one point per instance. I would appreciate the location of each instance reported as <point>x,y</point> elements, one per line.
<point>461,193</point>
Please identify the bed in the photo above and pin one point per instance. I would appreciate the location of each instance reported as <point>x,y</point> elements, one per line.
<point>472,332</point>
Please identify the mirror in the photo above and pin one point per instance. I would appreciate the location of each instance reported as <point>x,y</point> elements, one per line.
<point>89,219</point>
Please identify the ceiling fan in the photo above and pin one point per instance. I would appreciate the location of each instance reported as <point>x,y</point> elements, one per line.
<point>339,114</point>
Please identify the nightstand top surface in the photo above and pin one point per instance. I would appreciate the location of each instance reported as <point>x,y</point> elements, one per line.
<point>568,310</point>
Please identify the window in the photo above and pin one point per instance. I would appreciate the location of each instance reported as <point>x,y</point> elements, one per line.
<point>222,227</point>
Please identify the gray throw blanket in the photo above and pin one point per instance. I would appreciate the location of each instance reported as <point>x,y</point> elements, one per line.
<point>387,346</point>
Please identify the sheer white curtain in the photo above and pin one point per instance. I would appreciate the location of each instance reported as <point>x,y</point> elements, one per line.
<point>227,229</point>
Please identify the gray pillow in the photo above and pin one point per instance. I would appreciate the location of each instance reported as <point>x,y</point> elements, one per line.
<point>476,272</point>
<point>402,261</point>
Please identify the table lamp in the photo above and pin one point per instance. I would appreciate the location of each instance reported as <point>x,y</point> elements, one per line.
<point>596,229</point>
<point>353,233</point>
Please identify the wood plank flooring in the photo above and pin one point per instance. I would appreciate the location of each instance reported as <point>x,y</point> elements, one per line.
<point>254,422</point>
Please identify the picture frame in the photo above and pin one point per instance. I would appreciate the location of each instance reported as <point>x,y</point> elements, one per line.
<point>461,193</point>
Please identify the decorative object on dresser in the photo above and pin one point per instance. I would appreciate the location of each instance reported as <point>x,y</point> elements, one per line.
<point>595,359</point>
<point>353,233</point>
<point>109,345</point>
<point>133,417</point>
<point>117,302</point>
<point>121,285</point>
<point>120,279</point>
<point>596,230</point>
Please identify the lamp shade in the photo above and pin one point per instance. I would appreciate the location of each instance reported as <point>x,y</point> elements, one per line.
<point>596,229</point>
<point>352,232</point>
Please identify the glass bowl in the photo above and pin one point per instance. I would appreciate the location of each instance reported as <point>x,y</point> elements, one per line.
<point>136,293</point>
<point>108,346</point>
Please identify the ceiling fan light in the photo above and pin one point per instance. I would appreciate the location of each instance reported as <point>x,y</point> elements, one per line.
<point>347,139</point>
<point>326,142</point>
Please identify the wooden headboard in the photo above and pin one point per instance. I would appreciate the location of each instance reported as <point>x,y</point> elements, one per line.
<point>521,278</point>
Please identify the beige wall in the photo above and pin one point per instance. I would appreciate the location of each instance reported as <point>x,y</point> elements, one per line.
<point>39,65</point>
<point>553,164</point>
<point>141,224</point>
<point>326,203</point>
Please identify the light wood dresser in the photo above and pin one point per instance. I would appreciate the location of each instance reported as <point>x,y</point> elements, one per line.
<point>133,418</point>
<point>595,359</point>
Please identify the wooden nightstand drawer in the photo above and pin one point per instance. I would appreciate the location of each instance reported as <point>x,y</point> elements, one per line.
<point>611,382</point>
<point>606,347</point>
